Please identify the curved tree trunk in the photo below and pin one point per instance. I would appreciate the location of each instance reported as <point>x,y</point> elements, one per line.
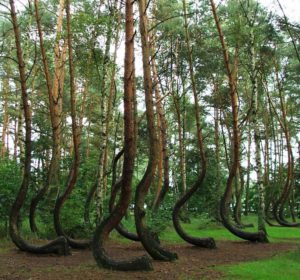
<point>76,133</point>
<point>55,92</point>
<point>240,185</point>
<point>259,236</point>
<point>58,246</point>
<point>148,238</point>
<point>202,242</point>
<point>116,187</point>
<point>107,225</point>
<point>278,208</point>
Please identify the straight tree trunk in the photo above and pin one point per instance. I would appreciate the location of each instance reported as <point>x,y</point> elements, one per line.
<point>247,203</point>
<point>163,183</point>
<point>217,149</point>
<point>180,121</point>
<point>5,124</point>
<point>255,121</point>
<point>104,122</point>
<point>18,131</point>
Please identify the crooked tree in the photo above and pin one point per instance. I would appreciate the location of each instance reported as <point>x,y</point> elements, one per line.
<point>60,245</point>
<point>202,242</point>
<point>107,225</point>
<point>259,236</point>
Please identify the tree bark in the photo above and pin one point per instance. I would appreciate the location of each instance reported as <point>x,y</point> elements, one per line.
<point>107,225</point>
<point>76,137</point>
<point>148,238</point>
<point>58,246</point>
<point>202,242</point>
<point>278,208</point>
<point>163,183</point>
<point>255,121</point>
<point>55,92</point>
<point>5,123</point>
<point>259,236</point>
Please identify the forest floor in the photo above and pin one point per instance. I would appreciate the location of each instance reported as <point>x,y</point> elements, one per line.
<point>193,262</point>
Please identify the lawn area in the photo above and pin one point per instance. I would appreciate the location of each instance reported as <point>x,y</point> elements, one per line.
<point>282,267</point>
<point>203,228</point>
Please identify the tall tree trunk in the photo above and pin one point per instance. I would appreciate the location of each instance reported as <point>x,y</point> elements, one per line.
<point>202,242</point>
<point>259,236</point>
<point>182,161</point>
<point>180,119</point>
<point>280,203</point>
<point>58,246</point>
<point>217,148</point>
<point>55,92</point>
<point>76,137</point>
<point>117,185</point>
<point>147,237</point>
<point>163,183</point>
<point>247,202</point>
<point>104,122</point>
<point>18,131</point>
<point>255,121</point>
<point>107,225</point>
<point>5,123</point>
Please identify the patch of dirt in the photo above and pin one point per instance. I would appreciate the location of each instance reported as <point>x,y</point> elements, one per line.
<point>193,262</point>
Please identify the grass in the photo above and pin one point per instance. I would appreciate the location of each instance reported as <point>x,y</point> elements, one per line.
<point>204,228</point>
<point>282,267</point>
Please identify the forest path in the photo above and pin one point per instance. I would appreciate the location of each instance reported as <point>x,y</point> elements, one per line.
<point>193,262</point>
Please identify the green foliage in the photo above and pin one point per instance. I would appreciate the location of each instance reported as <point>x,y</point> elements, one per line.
<point>281,267</point>
<point>10,174</point>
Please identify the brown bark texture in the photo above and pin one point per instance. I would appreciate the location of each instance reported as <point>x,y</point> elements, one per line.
<point>107,225</point>
<point>259,236</point>
<point>58,246</point>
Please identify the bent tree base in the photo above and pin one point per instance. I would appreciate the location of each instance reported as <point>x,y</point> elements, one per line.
<point>120,228</point>
<point>103,260</point>
<point>150,239</point>
<point>259,236</point>
<point>201,242</point>
<point>107,225</point>
<point>74,243</point>
<point>58,246</point>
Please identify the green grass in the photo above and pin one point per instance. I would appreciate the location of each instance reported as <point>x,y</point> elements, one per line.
<point>282,267</point>
<point>204,228</point>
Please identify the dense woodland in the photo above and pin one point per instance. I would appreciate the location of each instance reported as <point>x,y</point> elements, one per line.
<point>201,119</point>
